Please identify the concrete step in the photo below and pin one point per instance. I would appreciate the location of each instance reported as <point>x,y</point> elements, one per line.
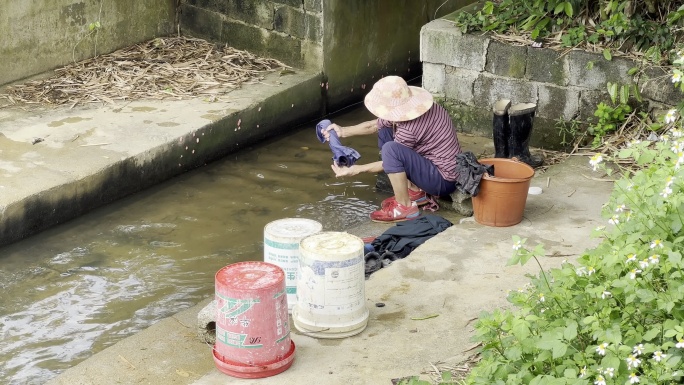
<point>57,163</point>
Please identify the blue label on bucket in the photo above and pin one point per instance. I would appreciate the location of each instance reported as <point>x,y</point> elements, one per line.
<point>281,245</point>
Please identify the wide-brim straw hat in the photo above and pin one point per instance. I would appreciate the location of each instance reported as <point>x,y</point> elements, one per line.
<point>394,100</point>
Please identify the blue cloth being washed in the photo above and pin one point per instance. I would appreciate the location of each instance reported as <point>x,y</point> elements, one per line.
<point>342,156</point>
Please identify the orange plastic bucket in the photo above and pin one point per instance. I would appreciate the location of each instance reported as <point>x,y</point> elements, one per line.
<point>501,200</point>
<point>252,321</point>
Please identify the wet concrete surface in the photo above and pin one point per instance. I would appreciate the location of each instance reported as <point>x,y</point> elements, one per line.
<point>431,300</point>
<point>431,297</point>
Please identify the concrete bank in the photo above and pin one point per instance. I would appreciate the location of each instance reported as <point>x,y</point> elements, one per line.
<point>452,278</point>
<point>59,163</point>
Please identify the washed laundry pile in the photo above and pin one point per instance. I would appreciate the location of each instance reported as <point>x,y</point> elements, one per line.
<point>398,241</point>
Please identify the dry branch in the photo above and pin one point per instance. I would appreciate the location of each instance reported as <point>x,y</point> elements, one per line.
<point>163,68</point>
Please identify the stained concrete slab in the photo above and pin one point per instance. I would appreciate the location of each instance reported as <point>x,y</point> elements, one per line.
<point>431,299</point>
<point>57,163</point>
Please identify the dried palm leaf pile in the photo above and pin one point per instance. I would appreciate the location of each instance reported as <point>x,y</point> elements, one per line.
<point>163,68</point>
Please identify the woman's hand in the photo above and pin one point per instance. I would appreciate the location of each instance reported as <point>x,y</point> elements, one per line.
<point>344,171</point>
<point>326,131</point>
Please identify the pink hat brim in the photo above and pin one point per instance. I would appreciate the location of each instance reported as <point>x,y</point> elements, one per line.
<point>419,103</point>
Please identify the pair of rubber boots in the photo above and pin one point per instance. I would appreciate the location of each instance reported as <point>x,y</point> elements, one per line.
<point>512,131</point>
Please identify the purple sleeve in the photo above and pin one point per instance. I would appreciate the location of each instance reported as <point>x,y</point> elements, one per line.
<point>384,123</point>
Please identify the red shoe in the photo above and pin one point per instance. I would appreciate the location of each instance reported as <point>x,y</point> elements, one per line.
<point>420,197</point>
<point>395,212</point>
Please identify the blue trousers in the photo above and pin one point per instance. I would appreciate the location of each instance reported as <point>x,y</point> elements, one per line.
<point>419,170</point>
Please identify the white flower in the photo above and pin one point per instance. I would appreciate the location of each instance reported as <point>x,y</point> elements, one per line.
<point>614,220</point>
<point>583,372</point>
<point>664,138</point>
<point>541,297</point>
<point>658,355</point>
<point>633,378</point>
<point>591,270</point>
<point>680,344</point>
<point>517,245</point>
<point>632,362</point>
<point>620,208</point>
<point>633,143</point>
<point>643,264</point>
<point>581,271</point>
<point>669,180</point>
<point>638,349</point>
<point>676,76</point>
<point>595,161</point>
<point>654,259</point>
<point>666,192</point>
<point>657,243</point>
<point>677,145</point>
<point>671,116</point>
<point>677,133</point>
<point>633,273</point>
<point>600,380</point>
<point>630,258</point>
<point>601,349</point>
<point>606,294</point>
<point>610,372</point>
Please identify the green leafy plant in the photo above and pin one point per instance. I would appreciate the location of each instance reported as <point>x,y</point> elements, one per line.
<point>650,27</point>
<point>616,315</point>
<point>93,31</point>
<point>446,379</point>
<point>568,130</point>
<point>611,117</point>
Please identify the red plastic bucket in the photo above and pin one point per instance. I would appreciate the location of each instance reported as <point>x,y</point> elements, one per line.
<point>252,323</point>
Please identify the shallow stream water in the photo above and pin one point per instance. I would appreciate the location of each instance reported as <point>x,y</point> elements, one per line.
<point>71,291</point>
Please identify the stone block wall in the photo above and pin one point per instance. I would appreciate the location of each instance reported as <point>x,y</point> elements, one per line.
<point>287,30</point>
<point>468,73</point>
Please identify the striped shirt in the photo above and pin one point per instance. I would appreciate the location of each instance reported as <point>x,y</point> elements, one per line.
<point>431,135</point>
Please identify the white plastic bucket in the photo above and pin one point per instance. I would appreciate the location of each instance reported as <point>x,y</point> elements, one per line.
<point>331,301</point>
<point>281,248</point>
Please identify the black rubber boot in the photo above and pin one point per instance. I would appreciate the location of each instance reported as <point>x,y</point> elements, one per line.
<point>520,121</point>
<point>501,129</point>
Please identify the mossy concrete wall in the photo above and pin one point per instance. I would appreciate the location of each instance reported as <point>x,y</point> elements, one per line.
<point>470,72</point>
<point>287,30</point>
<point>365,40</point>
<point>351,42</point>
<point>40,35</point>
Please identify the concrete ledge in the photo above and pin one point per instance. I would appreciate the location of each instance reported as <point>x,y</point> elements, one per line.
<point>98,155</point>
